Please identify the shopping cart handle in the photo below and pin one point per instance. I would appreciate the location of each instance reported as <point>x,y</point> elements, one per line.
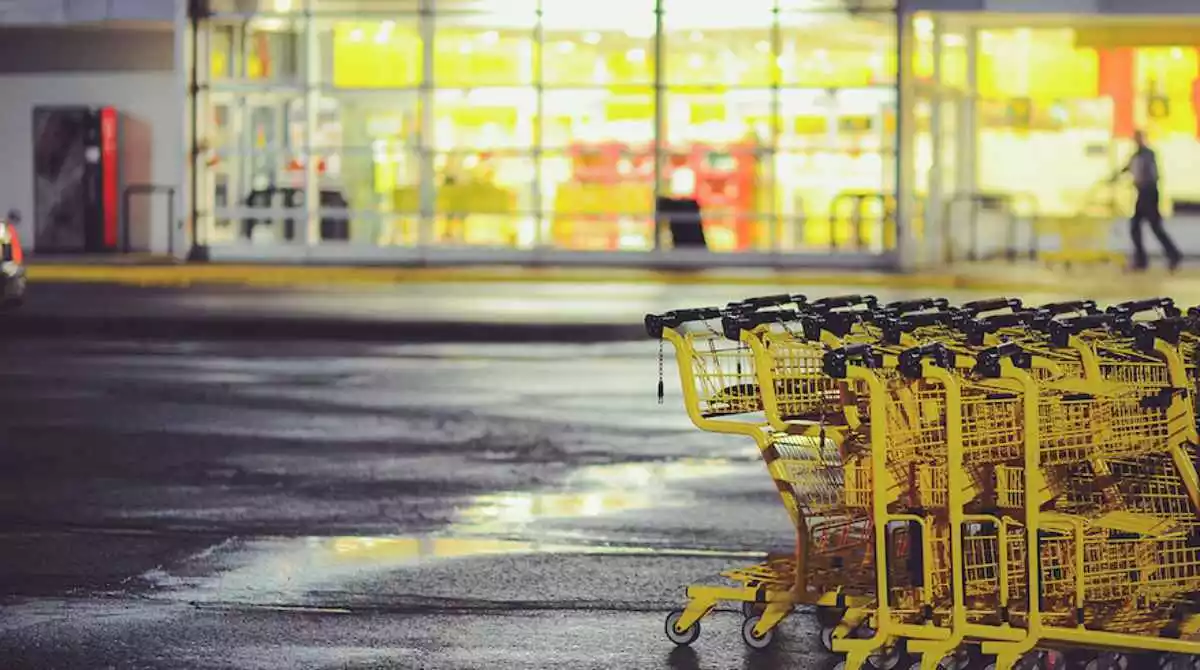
<point>997,321</point>
<point>987,362</point>
<point>977,307</point>
<point>761,302</point>
<point>1085,307</point>
<point>842,301</point>
<point>1168,330</point>
<point>901,307</point>
<point>1167,305</point>
<point>733,324</point>
<point>926,319</point>
<point>836,362</point>
<point>656,323</point>
<point>909,362</point>
<point>1062,330</point>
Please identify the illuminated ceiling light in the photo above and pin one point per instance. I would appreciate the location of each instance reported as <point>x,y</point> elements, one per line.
<point>923,26</point>
<point>592,38</point>
<point>636,56</point>
<point>1176,53</point>
<point>382,36</point>
<point>282,6</point>
<point>356,35</point>
<point>696,61</point>
<point>464,48</point>
<point>566,47</point>
<point>490,37</point>
<point>763,47</point>
<point>952,40</point>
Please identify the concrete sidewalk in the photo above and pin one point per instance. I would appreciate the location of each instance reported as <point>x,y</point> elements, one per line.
<point>996,277</point>
<point>382,305</point>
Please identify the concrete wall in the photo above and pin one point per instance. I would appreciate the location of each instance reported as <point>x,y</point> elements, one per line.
<point>43,12</point>
<point>131,70</point>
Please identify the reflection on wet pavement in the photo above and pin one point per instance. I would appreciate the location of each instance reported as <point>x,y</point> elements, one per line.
<point>492,525</point>
<point>592,491</point>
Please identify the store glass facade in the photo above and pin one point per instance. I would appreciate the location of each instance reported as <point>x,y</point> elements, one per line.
<point>547,124</point>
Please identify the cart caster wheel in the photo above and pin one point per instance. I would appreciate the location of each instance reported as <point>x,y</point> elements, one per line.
<point>754,641</point>
<point>947,663</point>
<point>752,609</point>
<point>887,659</point>
<point>1180,662</point>
<point>1108,661</point>
<point>683,638</point>
<point>830,616</point>
<point>827,638</point>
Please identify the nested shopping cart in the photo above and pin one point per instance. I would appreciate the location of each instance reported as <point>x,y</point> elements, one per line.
<point>1101,577</point>
<point>915,447</point>
<point>721,394</point>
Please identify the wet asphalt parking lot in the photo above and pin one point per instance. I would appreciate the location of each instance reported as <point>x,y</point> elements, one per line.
<point>270,505</point>
<point>276,504</point>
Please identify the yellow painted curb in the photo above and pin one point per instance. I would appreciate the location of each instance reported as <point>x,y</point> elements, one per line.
<point>284,276</point>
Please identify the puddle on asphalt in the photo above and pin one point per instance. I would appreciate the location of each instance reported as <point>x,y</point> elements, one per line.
<point>291,569</point>
<point>591,492</point>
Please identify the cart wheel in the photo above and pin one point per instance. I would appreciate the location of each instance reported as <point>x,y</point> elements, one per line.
<point>830,616</point>
<point>1179,662</point>
<point>684,638</point>
<point>754,641</point>
<point>967,657</point>
<point>750,609</point>
<point>947,663</point>
<point>1108,661</point>
<point>887,659</point>
<point>827,638</point>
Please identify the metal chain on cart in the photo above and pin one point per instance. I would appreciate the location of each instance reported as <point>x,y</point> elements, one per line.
<point>660,371</point>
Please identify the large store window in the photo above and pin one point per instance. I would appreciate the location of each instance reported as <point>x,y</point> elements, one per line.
<point>596,182</point>
<point>518,123</point>
<point>836,160</point>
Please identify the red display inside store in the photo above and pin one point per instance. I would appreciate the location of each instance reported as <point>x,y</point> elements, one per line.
<point>726,179</point>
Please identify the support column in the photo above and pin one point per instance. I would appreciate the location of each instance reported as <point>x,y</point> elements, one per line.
<point>310,233</point>
<point>968,138</point>
<point>660,124</point>
<point>186,216</point>
<point>906,248</point>
<point>425,130</point>
<point>931,247</point>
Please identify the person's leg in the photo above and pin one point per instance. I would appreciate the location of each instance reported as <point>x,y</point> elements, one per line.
<point>1135,234</point>
<point>1154,217</point>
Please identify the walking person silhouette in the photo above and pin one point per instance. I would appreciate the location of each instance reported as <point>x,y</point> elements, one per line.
<point>1143,167</point>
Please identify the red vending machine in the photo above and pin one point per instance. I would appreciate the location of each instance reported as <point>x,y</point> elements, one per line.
<point>75,187</point>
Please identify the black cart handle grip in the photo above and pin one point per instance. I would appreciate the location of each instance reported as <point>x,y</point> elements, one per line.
<point>987,362</point>
<point>911,321</point>
<point>656,323</point>
<point>1058,308</point>
<point>1082,323</point>
<point>732,325</point>
<point>996,321</point>
<point>903,306</point>
<point>843,301</point>
<point>760,302</point>
<point>1167,305</point>
<point>977,307</point>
